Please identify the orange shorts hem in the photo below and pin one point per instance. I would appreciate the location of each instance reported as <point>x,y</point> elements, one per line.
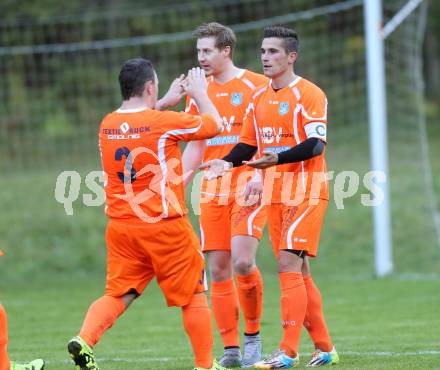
<point>219,223</point>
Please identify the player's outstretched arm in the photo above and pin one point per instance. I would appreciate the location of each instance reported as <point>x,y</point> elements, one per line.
<point>191,159</point>
<point>174,95</point>
<point>306,150</point>
<point>239,153</point>
<point>196,86</point>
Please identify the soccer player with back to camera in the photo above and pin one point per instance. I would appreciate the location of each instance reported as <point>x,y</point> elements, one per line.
<point>231,224</point>
<point>287,124</point>
<point>148,234</point>
<point>5,363</point>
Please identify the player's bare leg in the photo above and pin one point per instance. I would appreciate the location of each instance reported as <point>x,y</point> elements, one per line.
<point>224,300</point>
<point>250,293</point>
<point>244,249</point>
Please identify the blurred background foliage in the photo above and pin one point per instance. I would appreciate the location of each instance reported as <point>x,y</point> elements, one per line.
<point>49,96</point>
<point>59,64</point>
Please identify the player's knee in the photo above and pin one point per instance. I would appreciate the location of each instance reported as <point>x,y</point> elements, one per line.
<point>220,272</point>
<point>220,267</point>
<point>243,266</point>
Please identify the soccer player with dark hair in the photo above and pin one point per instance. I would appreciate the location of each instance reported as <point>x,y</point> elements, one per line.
<point>287,124</point>
<point>224,204</point>
<point>149,234</point>
<point>5,363</point>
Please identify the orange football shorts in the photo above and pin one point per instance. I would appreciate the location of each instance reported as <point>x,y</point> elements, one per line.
<point>220,222</point>
<point>169,249</point>
<point>296,227</point>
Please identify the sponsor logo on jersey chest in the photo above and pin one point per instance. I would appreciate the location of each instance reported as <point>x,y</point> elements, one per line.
<point>222,140</point>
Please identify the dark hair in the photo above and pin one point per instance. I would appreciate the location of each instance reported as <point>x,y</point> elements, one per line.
<point>223,35</point>
<point>289,36</point>
<point>134,73</point>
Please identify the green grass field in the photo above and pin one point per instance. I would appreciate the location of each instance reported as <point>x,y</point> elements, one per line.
<point>55,266</point>
<point>376,324</point>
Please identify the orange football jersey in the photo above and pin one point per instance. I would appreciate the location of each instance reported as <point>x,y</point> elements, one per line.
<point>279,120</point>
<point>141,159</point>
<point>231,100</point>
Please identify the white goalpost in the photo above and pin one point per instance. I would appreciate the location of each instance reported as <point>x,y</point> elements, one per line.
<point>375,34</point>
<point>377,116</point>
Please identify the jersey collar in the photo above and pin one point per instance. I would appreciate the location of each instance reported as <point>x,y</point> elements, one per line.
<point>131,110</point>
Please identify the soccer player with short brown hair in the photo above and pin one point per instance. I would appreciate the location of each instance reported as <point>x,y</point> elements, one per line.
<point>287,124</point>
<point>230,225</point>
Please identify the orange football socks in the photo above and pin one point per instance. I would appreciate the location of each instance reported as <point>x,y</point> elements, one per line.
<point>314,320</point>
<point>100,317</point>
<point>224,300</point>
<point>197,320</point>
<point>4,359</point>
<point>293,310</point>
<point>250,294</point>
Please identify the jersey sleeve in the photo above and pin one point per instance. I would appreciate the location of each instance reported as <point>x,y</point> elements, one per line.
<point>314,114</point>
<point>191,106</point>
<point>248,134</point>
<point>188,127</point>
